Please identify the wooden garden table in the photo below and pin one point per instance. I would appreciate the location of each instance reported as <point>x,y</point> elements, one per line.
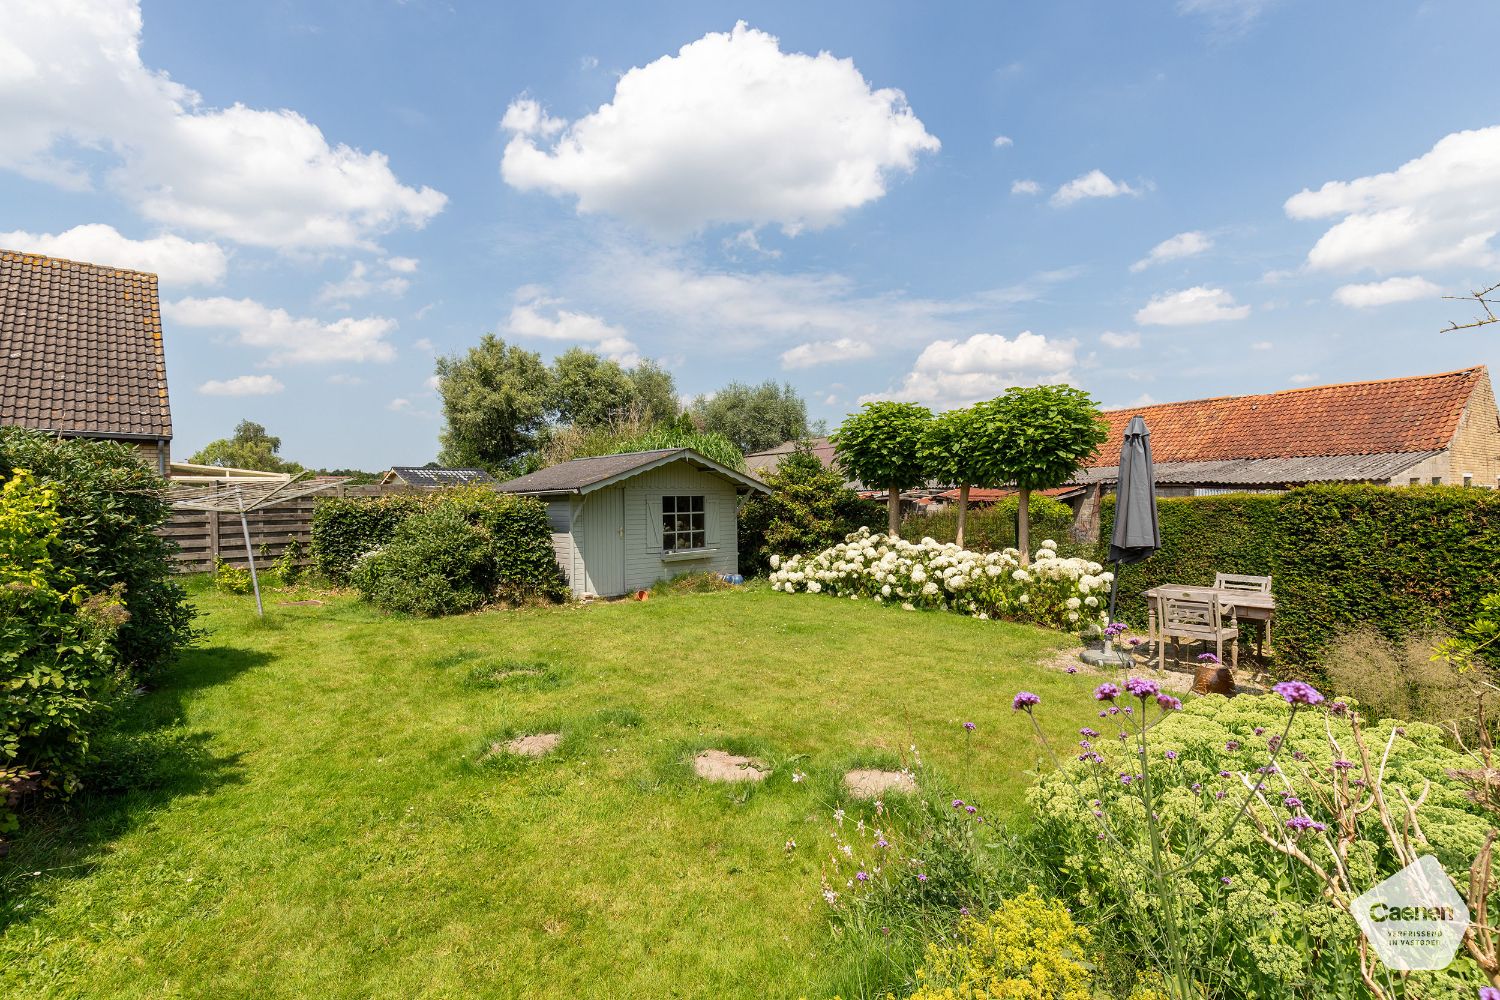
<point>1248,605</point>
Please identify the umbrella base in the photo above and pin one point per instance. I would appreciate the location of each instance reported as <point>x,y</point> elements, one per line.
<point>1107,658</point>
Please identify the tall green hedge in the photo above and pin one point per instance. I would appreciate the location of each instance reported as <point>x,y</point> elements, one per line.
<point>517,558</point>
<point>1400,559</point>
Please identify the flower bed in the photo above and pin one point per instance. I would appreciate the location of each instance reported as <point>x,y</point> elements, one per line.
<point>1052,591</point>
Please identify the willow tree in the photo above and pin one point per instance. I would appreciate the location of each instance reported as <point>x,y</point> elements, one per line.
<point>883,446</point>
<point>1042,436</point>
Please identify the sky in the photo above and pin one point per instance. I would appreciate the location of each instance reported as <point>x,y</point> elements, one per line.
<point>1156,201</point>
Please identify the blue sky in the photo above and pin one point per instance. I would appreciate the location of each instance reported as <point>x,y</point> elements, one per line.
<point>1160,200</point>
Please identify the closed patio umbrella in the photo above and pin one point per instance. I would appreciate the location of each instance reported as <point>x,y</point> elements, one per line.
<point>1136,533</point>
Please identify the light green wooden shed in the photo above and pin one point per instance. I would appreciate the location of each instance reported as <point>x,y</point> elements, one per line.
<point>622,522</point>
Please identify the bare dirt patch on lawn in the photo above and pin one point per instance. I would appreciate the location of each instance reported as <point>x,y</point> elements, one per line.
<point>868,783</point>
<point>719,765</point>
<point>534,745</point>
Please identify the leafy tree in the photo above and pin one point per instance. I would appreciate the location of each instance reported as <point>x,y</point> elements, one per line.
<point>883,447</point>
<point>590,391</point>
<point>251,447</point>
<point>959,450</point>
<point>495,401</point>
<point>809,509</point>
<point>1040,436</point>
<point>655,392</point>
<point>753,417</point>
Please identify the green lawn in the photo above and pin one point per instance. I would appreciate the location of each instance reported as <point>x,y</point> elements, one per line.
<point>327,825</point>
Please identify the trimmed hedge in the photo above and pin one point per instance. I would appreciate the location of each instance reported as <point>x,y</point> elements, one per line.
<point>1400,559</point>
<point>993,528</point>
<point>388,544</point>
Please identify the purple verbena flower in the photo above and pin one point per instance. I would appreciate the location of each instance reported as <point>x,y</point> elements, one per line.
<point>1021,702</point>
<point>1106,692</point>
<point>862,876</point>
<point>1171,755</point>
<point>1207,658</point>
<point>1298,693</point>
<point>1231,745</point>
<point>1343,765</point>
<point>1142,687</point>
<point>969,726</point>
<point>1071,670</point>
<point>1169,703</point>
<point>1087,732</point>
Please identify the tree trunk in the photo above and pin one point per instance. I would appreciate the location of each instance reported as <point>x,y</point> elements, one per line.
<point>893,510</point>
<point>963,512</point>
<point>1023,526</point>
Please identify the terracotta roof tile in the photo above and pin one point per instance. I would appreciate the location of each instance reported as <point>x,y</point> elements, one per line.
<point>1415,414</point>
<point>80,348</point>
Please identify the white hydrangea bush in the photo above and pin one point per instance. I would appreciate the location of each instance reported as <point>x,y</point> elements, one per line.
<point>1063,593</point>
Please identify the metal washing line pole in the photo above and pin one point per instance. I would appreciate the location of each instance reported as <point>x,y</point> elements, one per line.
<point>243,498</point>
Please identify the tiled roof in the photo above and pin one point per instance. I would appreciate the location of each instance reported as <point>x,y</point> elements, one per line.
<point>80,348</point>
<point>982,494</point>
<point>770,458</point>
<point>1393,416</point>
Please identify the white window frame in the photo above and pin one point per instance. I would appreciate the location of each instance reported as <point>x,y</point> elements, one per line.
<point>673,532</point>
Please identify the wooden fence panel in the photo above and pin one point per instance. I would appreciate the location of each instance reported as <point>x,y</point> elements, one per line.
<point>203,537</point>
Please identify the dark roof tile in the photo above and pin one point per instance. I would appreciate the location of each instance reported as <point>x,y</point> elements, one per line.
<point>80,348</point>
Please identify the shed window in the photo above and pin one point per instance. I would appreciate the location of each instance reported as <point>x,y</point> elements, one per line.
<point>682,524</point>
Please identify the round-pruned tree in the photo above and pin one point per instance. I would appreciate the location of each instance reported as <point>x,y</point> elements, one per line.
<point>883,447</point>
<point>1041,435</point>
<point>959,451</point>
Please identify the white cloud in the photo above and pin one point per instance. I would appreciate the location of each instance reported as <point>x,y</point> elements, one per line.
<point>1383,293</point>
<point>1304,379</point>
<point>730,129</point>
<point>1120,340</point>
<point>822,352</point>
<point>754,312</point>
<point>747,240</point>
<point>242,385</point>
<point>1226,15</point>
<point>528,319</point>
<point>173,259</point>
<point>397,405</point>
<point>951,373</point>
<point>526,117</point>
<point>1191,305</point>
<point>1262,345</point>
<point>72,81</point>
<point>1001,141</point>
<point>343,379</point>
<point>1182,245</point>
<point>410,409</point>
<point>1094,184</point>
<point>289,339</point>
<point>402,265</point>
<point>1438,210</point>
<point>1025,187</point>
<point>360,283</point>
<point>425,344</point>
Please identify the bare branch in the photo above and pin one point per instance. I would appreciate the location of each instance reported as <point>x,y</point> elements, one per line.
<point>1484,303</point>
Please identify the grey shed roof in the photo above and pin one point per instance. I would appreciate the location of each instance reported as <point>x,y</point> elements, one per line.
<point>417,475</point>
<point>80,349</point>
<point>1273,471</point>
<point>584,475</point>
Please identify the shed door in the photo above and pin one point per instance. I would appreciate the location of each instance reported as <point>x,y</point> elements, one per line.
<point>603,543</point>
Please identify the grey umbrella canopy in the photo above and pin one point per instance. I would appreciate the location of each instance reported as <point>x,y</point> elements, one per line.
<point>1136,533</point>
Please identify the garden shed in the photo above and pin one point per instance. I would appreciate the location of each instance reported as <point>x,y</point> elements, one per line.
<point>622,522</point>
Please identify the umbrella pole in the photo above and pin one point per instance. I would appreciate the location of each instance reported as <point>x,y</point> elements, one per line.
<point>1114,590</point>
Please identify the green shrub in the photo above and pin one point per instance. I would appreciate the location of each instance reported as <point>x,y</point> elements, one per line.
<point>1402,680</point>
<point>232,579</point>
<point>1402,560</point>
<point>808,510</point>
<point>993,528</point>
<point>289,565</point>
<point>1029,948</point>
<point>58,663</point>
<point>1257,926</point>
<point>110,505</point>
<point>459,550</point>
<point>436,563</point>
<point>345,528</point>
